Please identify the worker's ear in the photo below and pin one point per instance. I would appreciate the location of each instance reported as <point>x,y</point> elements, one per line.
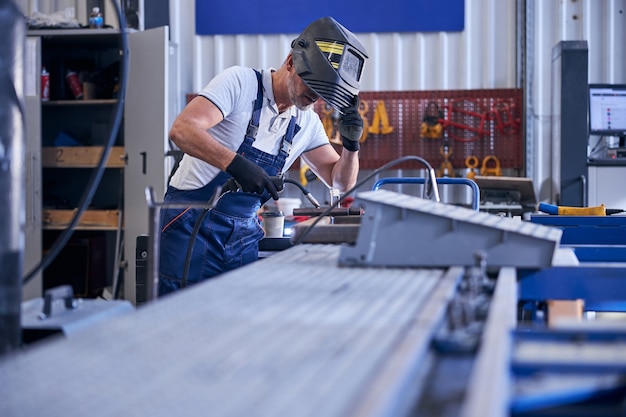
<point>289,62</point>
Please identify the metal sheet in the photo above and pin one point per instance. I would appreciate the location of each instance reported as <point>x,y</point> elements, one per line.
<point>290,335</point>
<point>400,230</point>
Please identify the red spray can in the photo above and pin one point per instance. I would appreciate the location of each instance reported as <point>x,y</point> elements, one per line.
<point>45,85</point>
<point>75,84</point>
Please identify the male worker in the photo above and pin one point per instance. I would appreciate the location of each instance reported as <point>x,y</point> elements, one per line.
<point>251,125</point>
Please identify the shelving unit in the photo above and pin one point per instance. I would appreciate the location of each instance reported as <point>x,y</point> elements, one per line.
<point>66,138</point>
<point>74,132</point>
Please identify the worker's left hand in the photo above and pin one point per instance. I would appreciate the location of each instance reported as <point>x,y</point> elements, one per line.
<point>351,126</point>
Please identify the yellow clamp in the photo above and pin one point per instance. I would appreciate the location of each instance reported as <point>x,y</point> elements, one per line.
<point>472,163</point>
<point>431,131</point>
<point>445,169</point>
<point>363,109</point>
<point>329,121</point>
<point>493,171</point>
<point>380,119</point>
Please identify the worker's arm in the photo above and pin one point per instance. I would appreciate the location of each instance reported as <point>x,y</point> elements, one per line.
<point>190,133</point>
<point>340,171</point>
<point>336,171</point>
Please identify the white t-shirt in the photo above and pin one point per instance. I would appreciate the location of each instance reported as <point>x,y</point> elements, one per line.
<point>234,91</point>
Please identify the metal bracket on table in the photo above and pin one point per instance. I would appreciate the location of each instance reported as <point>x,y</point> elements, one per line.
<point>401,230</point>
<point>154,235</point>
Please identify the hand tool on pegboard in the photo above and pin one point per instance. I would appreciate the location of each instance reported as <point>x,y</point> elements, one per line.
<point>380,121</point>
<point>506,121</point>
<point>471,162</point>
<point>502,114</point>
<point>431,127</point>
<point>330,121</point>
<point>493,170</point>
<point>445,169</point>
<point>474,121</point>
<point>363,109</point>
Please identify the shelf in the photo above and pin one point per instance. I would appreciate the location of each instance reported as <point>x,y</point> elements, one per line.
<point>80,157</point>
<point>77,32</point>
<point>54,219</point>
<point>78,38</point>
<point>61,173</point>
<point>101,102</point>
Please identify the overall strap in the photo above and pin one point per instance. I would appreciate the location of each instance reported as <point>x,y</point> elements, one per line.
<point>285,146</point>
<point>253,124</point>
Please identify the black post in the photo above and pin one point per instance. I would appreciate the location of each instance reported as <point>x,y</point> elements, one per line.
<point>570,104</point>
<point>12,178</point>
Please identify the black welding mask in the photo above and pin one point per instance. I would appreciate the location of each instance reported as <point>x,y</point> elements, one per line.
<point>330,60</point>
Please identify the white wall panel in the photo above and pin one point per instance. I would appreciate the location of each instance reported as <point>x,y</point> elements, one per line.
<point>482,56</point>
<point>602,24</point>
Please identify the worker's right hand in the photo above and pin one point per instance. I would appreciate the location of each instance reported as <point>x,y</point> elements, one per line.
<point>351,126</point>
<point>251,177</point>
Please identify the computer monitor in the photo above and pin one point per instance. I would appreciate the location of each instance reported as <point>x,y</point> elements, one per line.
<point>607,110</point>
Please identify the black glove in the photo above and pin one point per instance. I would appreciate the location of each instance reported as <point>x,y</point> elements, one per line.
<point>351,126</point>
<point>251,177</point>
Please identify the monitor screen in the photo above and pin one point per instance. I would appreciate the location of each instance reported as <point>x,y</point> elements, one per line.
<point>607,109</point>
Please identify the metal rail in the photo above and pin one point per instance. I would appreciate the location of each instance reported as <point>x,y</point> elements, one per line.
<point>444,180</point>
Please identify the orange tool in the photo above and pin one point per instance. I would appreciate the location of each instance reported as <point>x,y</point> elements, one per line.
<point>486,170</point>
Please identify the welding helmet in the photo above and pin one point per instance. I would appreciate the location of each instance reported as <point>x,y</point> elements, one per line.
<point>329,59</point>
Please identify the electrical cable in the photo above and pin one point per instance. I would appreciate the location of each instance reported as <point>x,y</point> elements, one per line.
<point>96,176</point>
<point>386,166</point>
<point>192,241</point>
<point>306,192</point>
<point>600,145</point>
<point>216,197</point>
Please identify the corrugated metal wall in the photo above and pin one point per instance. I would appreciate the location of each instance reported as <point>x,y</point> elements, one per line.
<point>602,23</point>
<point>489,53</point>
<point>492,52</point>
<point>482,56</point>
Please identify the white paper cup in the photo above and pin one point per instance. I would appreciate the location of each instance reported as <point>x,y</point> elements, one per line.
<point>273,223</point>
<point>286,205</point>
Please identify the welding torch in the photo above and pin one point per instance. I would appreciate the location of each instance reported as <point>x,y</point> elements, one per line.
<point>279,182</point>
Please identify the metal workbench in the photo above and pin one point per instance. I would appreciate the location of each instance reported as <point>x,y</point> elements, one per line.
<point>599,276</point>
<point>290,335</point>
<point>297,335</point>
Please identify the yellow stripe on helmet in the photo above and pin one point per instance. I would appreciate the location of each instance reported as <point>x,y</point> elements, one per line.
<point>332,50</point>
<point>331,47</point>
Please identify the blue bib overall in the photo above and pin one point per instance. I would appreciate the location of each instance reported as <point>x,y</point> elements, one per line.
<point>230,232</point>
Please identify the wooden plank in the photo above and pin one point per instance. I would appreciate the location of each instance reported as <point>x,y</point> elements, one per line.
<point>80,156</point>
<point>90,220</point>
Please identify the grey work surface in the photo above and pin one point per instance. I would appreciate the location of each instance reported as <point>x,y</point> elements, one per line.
<point>290,335</point>
<point>405,231</point>
<point>85,314</point>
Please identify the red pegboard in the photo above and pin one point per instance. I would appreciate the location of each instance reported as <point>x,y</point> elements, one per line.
<point>479,123</point>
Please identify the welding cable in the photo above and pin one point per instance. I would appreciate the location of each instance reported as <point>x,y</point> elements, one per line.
<point>97,174</point>
<point>230,186</point>
<point>217,194</point>
<point>306,192</point>
<point>433,185</point>
<point>190,245</point>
